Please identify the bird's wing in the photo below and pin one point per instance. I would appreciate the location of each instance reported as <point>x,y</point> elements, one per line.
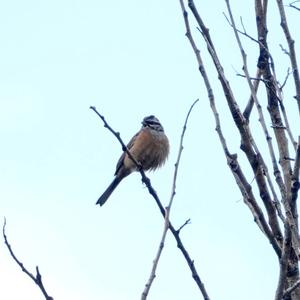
<point>121,159</point>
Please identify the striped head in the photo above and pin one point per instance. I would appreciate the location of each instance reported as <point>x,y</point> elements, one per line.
<point>153,123</point>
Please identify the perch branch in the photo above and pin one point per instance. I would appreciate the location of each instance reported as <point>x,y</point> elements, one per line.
<point>152,192</point>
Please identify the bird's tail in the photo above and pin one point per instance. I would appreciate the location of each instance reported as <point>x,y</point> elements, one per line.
<point>109,190</point>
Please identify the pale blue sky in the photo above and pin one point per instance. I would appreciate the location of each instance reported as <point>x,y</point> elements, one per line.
<point>129,59</point>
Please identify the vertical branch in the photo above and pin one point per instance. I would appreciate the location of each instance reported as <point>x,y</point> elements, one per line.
<point>286,121</point>
<point>274,102</point>
<point>292,51</point>
<point>271,89</point>
<point>168,210</point>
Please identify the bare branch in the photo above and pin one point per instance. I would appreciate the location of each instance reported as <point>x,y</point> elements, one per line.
<point>188,221</point>
<point>291,208</point>
<point>291,236</point>
<point>151,190</point>
<point>248,145</point>
<point>157,257</point>
<point>239,120</point>
<point>274,84</point>
<point>286,121</point>
<point>38,278</point>
<point>292,51</point>
<point>286,246</point>
<point>250,103</point>
<point>275,97</point>
<point>273,94</point>
<point>241,32</point>
<point>288,73</point>
<point>293,6</point>
<point>276,170</point>
<point>168,210</point>
<point>117,135</point>
<point>254,79</point>
<point>284,50</point>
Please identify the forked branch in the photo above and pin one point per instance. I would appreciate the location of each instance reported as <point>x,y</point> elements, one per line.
<point>37,278</point>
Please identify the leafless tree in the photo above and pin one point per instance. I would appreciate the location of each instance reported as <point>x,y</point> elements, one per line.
<point>275,173</point>
<point>275,206</point>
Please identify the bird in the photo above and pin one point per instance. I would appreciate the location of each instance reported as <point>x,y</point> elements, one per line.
<point>149,147</point>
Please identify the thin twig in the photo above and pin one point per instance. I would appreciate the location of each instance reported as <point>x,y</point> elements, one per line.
<point>151,190</point>
<point>293,6</point>
<point>188,221</point>
<point>38,278</point>
<point>168,210</point>
<point>288,73</point>
<point>241,32</point>
<point>254,79</point>
<point>284,50</point>
<point>292,51</point>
